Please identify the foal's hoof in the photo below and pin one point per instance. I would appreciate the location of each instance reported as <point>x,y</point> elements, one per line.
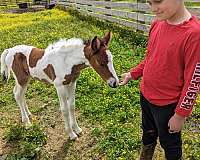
<point>73,136</point>
<point>78,131</point>
<point>30,116</point>
<point>27,125</point>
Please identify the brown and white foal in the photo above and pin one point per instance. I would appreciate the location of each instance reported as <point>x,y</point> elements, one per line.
<point>59,64</point>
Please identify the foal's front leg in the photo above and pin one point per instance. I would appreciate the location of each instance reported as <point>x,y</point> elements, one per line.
<point>62,94</point>
<point>71,100</point>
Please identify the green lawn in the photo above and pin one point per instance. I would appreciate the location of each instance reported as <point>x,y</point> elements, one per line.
<point>110,118</point>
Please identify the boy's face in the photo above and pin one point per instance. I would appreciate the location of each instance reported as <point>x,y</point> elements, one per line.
<point>166,9</point>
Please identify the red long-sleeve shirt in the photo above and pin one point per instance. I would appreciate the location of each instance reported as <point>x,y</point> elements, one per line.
<point>171,69</point>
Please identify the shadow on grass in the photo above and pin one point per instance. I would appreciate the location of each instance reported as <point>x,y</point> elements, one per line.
<point>63,151</point>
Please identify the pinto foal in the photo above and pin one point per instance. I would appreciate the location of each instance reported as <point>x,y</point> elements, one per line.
<point>59,64</point>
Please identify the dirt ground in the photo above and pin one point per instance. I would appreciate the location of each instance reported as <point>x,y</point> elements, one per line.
<point>58,146</point>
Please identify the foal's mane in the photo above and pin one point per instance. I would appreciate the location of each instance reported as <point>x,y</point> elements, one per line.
<point>65,43</point>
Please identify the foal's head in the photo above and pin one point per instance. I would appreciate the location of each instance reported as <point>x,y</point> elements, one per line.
<point>100,58</point>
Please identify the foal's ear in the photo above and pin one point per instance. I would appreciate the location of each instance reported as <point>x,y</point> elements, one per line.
<point>95,45</point>
<point>107,38</point>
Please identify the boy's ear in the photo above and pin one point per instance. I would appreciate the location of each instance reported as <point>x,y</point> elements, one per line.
<point>95,45</point>
<point>107,38</point>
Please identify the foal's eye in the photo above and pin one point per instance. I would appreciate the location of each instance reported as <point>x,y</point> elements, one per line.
<point>102,64</point>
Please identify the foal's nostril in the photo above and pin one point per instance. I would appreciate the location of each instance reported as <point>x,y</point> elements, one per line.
<point>114,84</point>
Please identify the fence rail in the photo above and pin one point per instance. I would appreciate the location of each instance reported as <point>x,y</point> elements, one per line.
<point>15,2</point>
<point>134,15</point>
<point>11,2</point>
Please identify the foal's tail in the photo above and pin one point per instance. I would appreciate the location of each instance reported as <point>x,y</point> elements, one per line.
<point>4,68</point>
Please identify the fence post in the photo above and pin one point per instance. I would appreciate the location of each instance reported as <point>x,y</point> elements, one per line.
<point>108,7</point>
<point>138,11</point>
<point>89,6</point>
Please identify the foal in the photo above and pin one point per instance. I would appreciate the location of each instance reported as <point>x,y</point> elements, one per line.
<point>59,64</point>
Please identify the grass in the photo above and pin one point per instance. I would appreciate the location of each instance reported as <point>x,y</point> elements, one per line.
<point>110,118</point>
<point>28,141</point>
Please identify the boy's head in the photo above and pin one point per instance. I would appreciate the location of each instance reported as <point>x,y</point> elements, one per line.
<point>167,9</point>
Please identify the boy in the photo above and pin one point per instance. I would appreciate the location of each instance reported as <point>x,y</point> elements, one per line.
<point>170,77</point>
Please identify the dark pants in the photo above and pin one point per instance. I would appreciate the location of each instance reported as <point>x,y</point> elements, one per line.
<point>155,124</point>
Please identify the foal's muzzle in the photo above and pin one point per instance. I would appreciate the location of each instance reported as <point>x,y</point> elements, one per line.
<point>112,82</point>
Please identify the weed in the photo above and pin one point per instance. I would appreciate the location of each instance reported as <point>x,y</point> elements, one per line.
<point>27,140</point>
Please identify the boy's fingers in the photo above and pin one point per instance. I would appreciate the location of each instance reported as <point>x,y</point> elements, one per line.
<point>121,83</point>
<point>124,79</point>
<point>173,131</point>
<point>170,130</point>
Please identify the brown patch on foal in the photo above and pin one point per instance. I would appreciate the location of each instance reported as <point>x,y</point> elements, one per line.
<point>49,71</point>
<point>98,60</point>
<point>20,68</point>
<point>74,73</point>
<point>35,55</point>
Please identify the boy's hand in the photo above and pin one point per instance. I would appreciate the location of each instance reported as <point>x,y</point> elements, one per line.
<point>125,78</point>
<point>176,123</point>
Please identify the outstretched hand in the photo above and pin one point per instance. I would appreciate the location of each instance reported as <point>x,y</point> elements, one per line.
<point>125,78</point>
<point>176,123</point>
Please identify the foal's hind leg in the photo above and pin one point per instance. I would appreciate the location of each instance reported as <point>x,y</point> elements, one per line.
<point>24,102</point>
<point>62,94</point>
<point>19,92</point>
<point>71,100</point>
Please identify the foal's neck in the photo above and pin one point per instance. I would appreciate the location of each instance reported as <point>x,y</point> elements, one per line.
<point>71,51</point>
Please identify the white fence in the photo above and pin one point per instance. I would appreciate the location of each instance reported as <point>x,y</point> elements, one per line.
<point>134,15</point>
